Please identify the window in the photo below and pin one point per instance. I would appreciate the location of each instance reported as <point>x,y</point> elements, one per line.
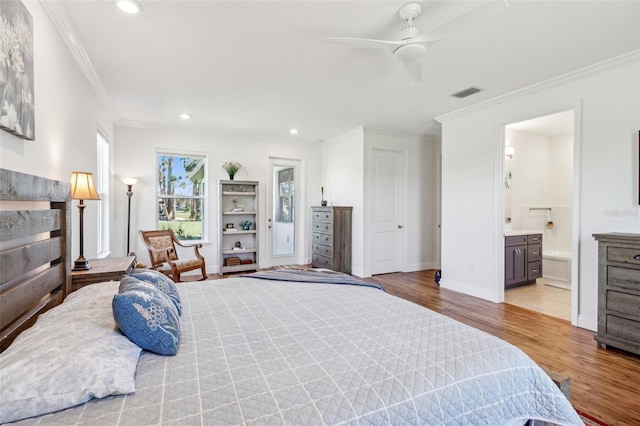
<point>102,186</point>
<point>181,194</point>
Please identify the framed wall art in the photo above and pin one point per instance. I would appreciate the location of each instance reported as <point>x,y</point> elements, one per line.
<point>17,109</point>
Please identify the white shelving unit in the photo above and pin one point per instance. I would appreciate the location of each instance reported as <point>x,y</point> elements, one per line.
<point>238,204</point>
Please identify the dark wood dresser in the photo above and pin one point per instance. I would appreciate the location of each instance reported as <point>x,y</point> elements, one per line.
<point>331,228</point>
<point>619,291</point>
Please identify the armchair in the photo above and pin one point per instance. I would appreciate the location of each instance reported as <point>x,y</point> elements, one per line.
<point>164,257</point>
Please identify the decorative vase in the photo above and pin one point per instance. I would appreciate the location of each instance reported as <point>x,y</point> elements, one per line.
<point>231,176</point>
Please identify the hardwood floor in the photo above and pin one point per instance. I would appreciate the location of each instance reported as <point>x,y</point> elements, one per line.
<point>604,383</point>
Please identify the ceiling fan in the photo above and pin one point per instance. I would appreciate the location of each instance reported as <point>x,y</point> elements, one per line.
<point>410,48</point>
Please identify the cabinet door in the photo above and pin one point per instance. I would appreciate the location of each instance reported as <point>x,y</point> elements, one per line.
<point>515,263</point>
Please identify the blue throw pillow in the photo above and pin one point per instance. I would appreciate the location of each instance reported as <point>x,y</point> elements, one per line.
<point>163,282</point>
<point>147,317</point>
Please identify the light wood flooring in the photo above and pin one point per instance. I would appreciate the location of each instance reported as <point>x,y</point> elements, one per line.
<point>604,383</point>
<point>542,298</point>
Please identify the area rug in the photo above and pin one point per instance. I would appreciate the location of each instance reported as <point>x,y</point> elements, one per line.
<point>590,420</point>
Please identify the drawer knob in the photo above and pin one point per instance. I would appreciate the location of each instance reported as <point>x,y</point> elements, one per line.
<point>637,257</point>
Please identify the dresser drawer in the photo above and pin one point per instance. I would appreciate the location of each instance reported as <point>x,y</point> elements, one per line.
<point>323,250</point>
<point>326,227</point>
<point>623,277</point>
<point>325,239</point>
<point>322,215</point>
<point>534,270</point>
<point>623,255</point>
<point>318,261</point>
<point>534,252</point>
<point>623,328</point>
<point>624,303</point>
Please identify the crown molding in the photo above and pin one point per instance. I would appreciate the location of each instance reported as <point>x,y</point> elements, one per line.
<point>629,57</point>
<point>60,18</point>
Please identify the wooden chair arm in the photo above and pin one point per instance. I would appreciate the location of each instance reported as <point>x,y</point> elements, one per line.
<point>195,246</point>
<point>178,242</point>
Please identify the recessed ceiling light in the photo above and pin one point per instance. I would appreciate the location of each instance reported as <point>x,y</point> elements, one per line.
<point>293,131</point>
<point>129,6</point>
<point>185,116</point>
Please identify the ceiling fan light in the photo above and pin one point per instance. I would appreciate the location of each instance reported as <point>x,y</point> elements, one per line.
<point>129,6</point>
<point>409,52</point>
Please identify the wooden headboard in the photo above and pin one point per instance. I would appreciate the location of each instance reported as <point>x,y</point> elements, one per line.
<point>35,249</point>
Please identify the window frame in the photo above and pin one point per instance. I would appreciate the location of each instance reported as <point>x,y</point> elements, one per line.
<point>102,182</point>
<point>203,197</point>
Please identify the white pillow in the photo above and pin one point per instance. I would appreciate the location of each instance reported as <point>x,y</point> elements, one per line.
<point>73,353</point>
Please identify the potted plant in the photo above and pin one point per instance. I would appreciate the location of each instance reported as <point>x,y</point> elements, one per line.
<point>231,167</point>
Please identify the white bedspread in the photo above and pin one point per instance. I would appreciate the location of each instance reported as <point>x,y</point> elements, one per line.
<point>270,352</point>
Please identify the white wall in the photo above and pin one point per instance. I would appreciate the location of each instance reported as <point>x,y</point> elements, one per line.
<point>67,115</point>
<point>346,176</point>
<point>542,177</point>
<point>606,98</point>
<point>136,157</point>
<point>420,195</point>
<point>343,181</point>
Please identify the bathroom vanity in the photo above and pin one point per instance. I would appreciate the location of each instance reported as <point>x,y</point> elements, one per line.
<point>522,258</point>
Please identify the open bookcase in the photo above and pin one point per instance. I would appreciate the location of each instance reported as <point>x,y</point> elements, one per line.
<point>239,248</point>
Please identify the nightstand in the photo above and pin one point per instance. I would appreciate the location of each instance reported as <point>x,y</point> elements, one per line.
<point>107,269</point>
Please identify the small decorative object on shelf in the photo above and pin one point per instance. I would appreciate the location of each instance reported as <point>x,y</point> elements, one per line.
<point>232,261</point>
<point>232,168</point>
<point>246,225</point>
<point>237,206</point>
<point>323,202</point>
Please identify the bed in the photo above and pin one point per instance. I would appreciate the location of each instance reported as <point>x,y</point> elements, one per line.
<point>279,349</point>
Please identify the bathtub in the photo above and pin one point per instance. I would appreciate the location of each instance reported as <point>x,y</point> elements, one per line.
<point>556,266</point>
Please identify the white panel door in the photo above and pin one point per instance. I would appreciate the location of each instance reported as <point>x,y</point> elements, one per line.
<point>387,210</point>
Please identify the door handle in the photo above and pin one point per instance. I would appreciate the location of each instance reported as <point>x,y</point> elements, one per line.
<point>399,226</point>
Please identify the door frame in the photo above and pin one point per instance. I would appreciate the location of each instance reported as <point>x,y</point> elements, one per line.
<point>300,217</point>
<point>402,213</point>
<point>499,264</point>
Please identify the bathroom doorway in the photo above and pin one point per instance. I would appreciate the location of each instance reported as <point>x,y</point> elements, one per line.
<point>538,200</point>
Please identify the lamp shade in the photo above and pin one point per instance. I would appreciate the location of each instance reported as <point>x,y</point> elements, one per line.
<point>129,180</point>
<point>82,187</point>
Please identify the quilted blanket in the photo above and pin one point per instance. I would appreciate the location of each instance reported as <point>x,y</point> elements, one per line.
<point>309,275</point>
<point>285,353</point>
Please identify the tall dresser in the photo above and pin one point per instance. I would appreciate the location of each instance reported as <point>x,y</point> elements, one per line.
<point>619,291</point>
<point>331,238</point>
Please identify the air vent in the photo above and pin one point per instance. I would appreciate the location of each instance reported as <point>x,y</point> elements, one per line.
<point>466,92</point>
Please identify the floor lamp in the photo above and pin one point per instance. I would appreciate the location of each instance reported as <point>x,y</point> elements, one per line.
<point>82,188</point>
<point>129,182</point>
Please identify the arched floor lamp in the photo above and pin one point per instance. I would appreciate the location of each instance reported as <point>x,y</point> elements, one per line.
<point>82,188</point>
<point>129,182</point>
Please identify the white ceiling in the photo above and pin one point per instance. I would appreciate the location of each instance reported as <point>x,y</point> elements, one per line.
<point>261,67</point>
<point>557,124</point>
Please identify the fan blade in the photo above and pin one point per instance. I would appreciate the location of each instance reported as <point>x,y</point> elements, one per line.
<point>413,70</point>
<point>424,39</point>
<point>466,21</point>
<point>365,43</point>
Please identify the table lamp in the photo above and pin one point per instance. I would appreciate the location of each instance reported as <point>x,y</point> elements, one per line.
<point>82,188</point>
